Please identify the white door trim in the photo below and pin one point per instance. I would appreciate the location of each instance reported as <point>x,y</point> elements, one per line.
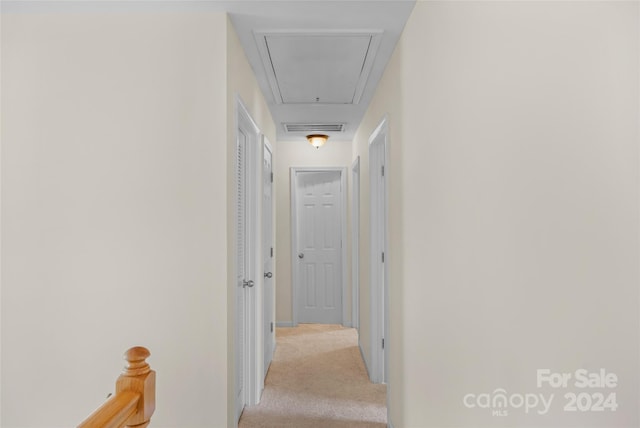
<point>378,221</point>
<point>355,244</point>
<point>253,344</point>
<point>294,235</point>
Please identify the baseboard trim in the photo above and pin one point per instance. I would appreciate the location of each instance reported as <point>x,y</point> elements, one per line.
<point>364,360</point>
<point>284,324</point>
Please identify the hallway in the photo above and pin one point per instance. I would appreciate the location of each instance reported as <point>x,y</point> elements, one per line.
<point>318,379</point>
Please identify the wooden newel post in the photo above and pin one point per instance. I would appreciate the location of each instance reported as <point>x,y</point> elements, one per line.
<point>135,399</point>
<point>138,377</point>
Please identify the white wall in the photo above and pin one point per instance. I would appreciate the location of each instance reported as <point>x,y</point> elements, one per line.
<point>112,163</point>
<point>298,154</point>
<point>514,207</point>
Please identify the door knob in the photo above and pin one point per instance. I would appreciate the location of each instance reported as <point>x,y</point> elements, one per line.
<point>301,256</point>
<point>268,274</point>
<point>246,283</point>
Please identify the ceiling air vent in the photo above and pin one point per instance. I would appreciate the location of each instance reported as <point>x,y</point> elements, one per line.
<point>314,127</point>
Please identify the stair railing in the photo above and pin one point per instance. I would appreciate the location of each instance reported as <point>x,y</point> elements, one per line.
<point>135,399</point>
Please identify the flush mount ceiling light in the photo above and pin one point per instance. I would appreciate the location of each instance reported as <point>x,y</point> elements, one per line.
<point>317,140</point>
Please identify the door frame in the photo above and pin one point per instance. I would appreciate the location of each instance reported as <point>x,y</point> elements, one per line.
<point>379,245</point>
<point>355,244</point>
<point>294,235</point>
<point>253,344</point>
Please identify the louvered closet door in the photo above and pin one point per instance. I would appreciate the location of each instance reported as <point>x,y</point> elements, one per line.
<point>242,245</point>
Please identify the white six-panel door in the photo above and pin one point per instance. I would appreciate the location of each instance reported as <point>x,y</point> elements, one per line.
<point>319,247</point>
<point>355,244</point>
<point>268,256</point>
<point>378,252</point>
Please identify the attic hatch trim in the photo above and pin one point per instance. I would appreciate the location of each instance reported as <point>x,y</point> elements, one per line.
<point>367,65</point>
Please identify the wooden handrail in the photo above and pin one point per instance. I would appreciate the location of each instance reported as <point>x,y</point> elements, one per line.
<point>135,399</point>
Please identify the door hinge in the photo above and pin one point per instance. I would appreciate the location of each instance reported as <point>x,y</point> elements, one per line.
<point>272,177</point>
<point>271,252</point>
<point>383,343</point>
<point>271,327</point>
<point>383,257</point>
<point>382,170</point>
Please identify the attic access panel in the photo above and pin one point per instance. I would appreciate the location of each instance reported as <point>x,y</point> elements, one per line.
<point>325,68</point>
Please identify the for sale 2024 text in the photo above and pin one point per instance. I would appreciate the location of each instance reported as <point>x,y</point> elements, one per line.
<point>584,401</point>
<point>585,391</point>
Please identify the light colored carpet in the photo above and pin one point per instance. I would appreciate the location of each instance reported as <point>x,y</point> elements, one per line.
<point>318,380</point>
